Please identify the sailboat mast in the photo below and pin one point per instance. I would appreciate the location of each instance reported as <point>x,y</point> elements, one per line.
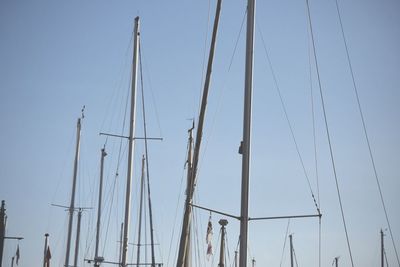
<point>188,210</point>
<point>291,250</point>
<point>46,236</point>
<point>96,252</point>
<point>245,145</point>
<point>382,250</point>
<point>140,212</point>
<point>131,144</point>
<point>72,204</point>
<point>223,223</point>
<point>78,234</point>
<point>3,219</point>
<point>185,235</point>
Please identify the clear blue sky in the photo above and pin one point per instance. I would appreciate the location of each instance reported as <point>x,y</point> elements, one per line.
<point>56,56</point>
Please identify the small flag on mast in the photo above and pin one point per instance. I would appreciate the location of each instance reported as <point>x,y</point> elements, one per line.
<point>209,238</point>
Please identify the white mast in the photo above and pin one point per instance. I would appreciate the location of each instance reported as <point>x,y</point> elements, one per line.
<point>72,204</point>
<point>131,144</point>
<point>245,145</point>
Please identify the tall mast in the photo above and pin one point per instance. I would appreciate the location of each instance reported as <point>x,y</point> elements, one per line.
<point>336,261</point>
<point>140,212</point>
<point>72,204</point>
<point>96,252</point>
<point>291,250</point>
<point>78,234</point>
<point>46,236</point>
<point>236,258</point>
<point>223,223</point>
<point>131,144</point>
<point>382,250</point>
<point>185,235</point>
<point>120,243</point>
<point>245,145</point>
<point>188,210</point>
<point>2,229</point>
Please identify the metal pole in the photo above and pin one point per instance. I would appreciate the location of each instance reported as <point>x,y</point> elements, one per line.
<point>199,133</point>
<point>236,258</point>
<point>96,253</point>
<point>336,260</point>
<point>185,240</point>
<point>2,229</point>
<point>140,212</point>
<point>291,250</point>
<point>223,223</point>
<point>78,233</point>
<point>45,249</point>
<point>382,250</point>
<point>245,145</point>
<point>188,252</point>
<point>120,243</point>
<point>131,144</point>
<point>72,205</point>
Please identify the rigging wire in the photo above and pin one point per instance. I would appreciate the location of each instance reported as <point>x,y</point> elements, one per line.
<point>315,145</point>
<point>328,136</point>
<point>146,69</point>
<point>227,247</point>
<point>203,68</point>
<point>117,167</point>
<point>365,129</point>
<point>288,120</point>
<point>284,243</point>
<point>147,158</point>
<point>176,214</point>
<point>295,257</point>
<point>213,123</point>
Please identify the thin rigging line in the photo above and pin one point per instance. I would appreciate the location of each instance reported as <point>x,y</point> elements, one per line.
<point>315,145</point>
<point>152,94</point>
<point>176,214</point>
<point>365,129</point>
<point>284,243</point>
<point>207,138</point>
<point>204,55</point>
<point>328,136</point>
<point>288,120</point>
<point>147,161</point>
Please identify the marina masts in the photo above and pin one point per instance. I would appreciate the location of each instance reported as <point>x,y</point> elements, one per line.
<point>72,204</point>
<point>245,145</point>
<point>131,144</point>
